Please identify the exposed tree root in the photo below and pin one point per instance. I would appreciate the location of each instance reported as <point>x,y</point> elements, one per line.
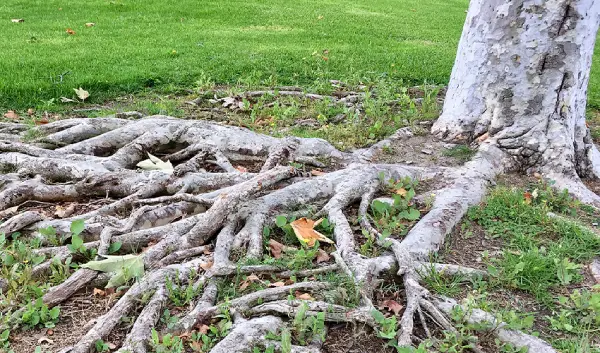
<point>196,218</point>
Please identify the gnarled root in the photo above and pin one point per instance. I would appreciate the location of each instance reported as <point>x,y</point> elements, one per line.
<point>207,204</point>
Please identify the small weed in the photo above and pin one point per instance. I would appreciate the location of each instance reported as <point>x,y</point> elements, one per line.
<point>167,343</point>
<point>396,218</point>
<point>101,346</point>
<point>461,152</point>
<point>169,320</point>
<point>180,294</point>
<point>38,313</point>
<point>441,283</point>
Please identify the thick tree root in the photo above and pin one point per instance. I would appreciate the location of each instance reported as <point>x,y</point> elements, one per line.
<point>194,219</point>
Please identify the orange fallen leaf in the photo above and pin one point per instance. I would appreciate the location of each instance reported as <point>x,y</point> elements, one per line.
<point>42,121</point>
<point>206,265</point>
<point>317,172</point>
<point>392,306</point>
<point>276,248</point>
<point>70,31</point>
<point>100,292</point>
<point>483,137</point>
<point>11,115</point>
<point>322,256</point>
<point>242,169</point>
<point>303,296</point>
<point>277,284</point>
<point>527,195</point>
<point>304,230</point>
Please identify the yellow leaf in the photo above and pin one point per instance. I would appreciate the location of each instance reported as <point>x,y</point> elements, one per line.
<point>402,192</point>
<point>81,93</point>
<point>304,230</point>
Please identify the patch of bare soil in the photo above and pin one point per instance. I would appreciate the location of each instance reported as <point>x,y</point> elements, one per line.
<point>422,149</point>
<point>77,315</point>
<point>344,338</point>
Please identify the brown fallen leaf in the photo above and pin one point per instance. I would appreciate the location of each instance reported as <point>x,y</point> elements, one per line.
<point>277,284</point>
<point>49,332</point>
<point>30,111</point>
<point>70,31</point>
<point>90,24</point>
<point>483,137</point>
<point>317,172</point>
<point>322,256</point>
<point>248,280</point>
<point>99,292</point>
<point>196,346</point>
<point>62,212</point>
<point>242,169</point>
<point>17,20</point>
<point>42,121</point>
<point>206,265</point>
<point>527,195</point>
<point>303,296</point>
<point>304,230</point>
<point>9,211</point>
<point>203,329</point>
<point>11,115</point>
<point>111,345</point>
<point>392,306</point>
<point>276,248</point>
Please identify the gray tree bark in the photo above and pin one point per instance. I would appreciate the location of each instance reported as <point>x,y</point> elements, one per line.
<point>520,82</point>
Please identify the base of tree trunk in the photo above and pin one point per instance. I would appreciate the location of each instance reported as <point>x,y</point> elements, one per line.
<point>208,203</point>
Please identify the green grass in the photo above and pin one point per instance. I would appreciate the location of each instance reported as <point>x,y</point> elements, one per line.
<point>541,252</point>
<point>139,44</point>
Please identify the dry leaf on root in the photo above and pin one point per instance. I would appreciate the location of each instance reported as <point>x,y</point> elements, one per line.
<point>206,265</point>
<point>276,248</point>
<point>322,256</point>
<point>304,230</point>
<point>277,284</point>
<point>392,306</point>
<point>62,212</point>
<point>317,172</point>
<point>303,296</point>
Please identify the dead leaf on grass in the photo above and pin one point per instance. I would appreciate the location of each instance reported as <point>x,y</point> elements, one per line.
<point>17,20</point>
<point>67,100</point>
<point>81,93</point>
<point>304,230</point>
<point>42,121</point>
<point>90,24</point>
<point>11,115</point>
<point>30,111</point>
<point>248,280</point>
<point>70,31</point>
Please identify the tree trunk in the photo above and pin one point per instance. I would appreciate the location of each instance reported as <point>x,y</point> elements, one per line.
<point>520,82</point>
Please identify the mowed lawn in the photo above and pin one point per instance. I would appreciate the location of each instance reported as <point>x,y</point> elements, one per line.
<point>136,44</point>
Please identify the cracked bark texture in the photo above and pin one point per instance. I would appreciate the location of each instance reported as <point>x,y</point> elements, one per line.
<point>520,82</point>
